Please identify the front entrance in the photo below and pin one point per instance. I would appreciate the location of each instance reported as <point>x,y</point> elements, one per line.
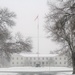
<point>38,65</point>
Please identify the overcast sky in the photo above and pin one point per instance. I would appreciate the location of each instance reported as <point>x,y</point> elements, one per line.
<point>27,11</point>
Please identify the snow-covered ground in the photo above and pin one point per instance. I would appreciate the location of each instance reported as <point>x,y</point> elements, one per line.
<point>36,69</point>
<point>55,70</point>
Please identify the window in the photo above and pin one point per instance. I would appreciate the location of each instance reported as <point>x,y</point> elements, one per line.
<point>39,58</point>
<point>34,58</point>
<point>60,62</point>
<point>13,58</point>
<point>64,58</point>
<point>64,62</point>
<point>30,62</point>
<point>39,62</point>
<point>17,62</point>
<point>42,62</point>
<point>17,58</point>
<point>26,58</point>
<point>46,62</point>
<point>21,58</point>
<point>43,58</point>
<point>21,62</point>
<point>56,58</point>
<point>47,58</point>
<point>60,58</point>
<point>12,62</point>
<point>30,58</point>
<point>34,62</point>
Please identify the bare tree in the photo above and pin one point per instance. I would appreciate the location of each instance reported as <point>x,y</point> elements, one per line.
<point>60,24</point>
<point>7,45</point>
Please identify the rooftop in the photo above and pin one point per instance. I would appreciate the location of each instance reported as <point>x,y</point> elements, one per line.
<point>40,55</point>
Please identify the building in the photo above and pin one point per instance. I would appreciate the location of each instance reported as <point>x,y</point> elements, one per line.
<point>42,60</point>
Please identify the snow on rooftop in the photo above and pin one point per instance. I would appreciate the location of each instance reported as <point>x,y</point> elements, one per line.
<point>40,55</point>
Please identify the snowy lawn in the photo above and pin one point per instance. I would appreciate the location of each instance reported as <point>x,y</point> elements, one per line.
<point>36,71</point>
<point>43,73</point>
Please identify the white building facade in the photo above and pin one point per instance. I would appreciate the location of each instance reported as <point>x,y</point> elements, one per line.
<point>43,60</point>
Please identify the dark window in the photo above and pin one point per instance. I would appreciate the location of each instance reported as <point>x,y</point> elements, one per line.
<point>34,62</point>
<point>39,58</point>
<point>30,58</point>
<point>12,62</point>
<point>65,58</point>
<point>42,62</point>
<point>60,62</point>
<point>56,58</point>
<point>46,62</point>
<point>47,58</point>
<point>21,58</point>
<point>34,58</point>
<point>13,58</point>
<point>17,58</point>
<point>64,62</point>
<point>30,62</point>
<point>27,58</point>
<point>39,62</point>
<point>43,58</point>
<point>21,62</point>
<point>60,58</point>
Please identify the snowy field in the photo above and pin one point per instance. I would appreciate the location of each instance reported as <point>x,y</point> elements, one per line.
<point>36,71</point>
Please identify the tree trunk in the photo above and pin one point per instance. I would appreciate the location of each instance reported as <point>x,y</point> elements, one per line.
<point>73,62</point>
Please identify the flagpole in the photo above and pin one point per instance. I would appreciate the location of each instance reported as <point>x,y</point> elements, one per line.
<point>37,18</point>
<point>38,37</point>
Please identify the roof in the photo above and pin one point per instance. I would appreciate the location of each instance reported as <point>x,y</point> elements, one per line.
<point>40,55</point>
